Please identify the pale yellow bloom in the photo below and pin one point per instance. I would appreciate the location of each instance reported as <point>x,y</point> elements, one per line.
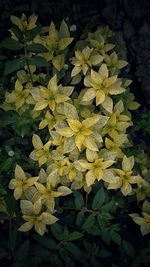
<point>51,96</point>
<point>84,60</point>
<point>21,182</point>
<point>82,132</point>
<point>34,217</point>
<point>41,153</point>
<point>144,220</point>
<point>125,177</point>
<point>99,86</point>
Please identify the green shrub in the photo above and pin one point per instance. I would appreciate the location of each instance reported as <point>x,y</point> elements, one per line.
<point>66,116</point>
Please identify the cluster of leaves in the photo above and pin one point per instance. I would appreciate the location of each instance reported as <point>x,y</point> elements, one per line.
<point>76,108</point>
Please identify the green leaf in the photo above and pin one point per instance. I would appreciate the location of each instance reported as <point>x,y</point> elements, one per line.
<point>128,248</point>
<point>80,218</point>
<point>13,65</point>
<point>89,223</point>
<point>73,249</point>
<point>36,48</point>
<point>74,236</point>
<point>38,61</point>
<point>11,44</point>
<point>79,201</point>
<point>108,206</point>
<point>99,199</point>
<point>2,191</point>
<point>31,34</point>
<point>57,231</point>
<point>23,250</point>
<point>17,32</point>
<point>104,253</point>
<point>115,237</point>
<point>46,242</point>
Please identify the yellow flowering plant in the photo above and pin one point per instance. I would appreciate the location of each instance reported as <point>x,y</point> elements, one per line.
<point>81,107</point>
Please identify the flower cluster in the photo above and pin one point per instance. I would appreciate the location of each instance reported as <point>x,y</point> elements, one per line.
<point>85,129</point>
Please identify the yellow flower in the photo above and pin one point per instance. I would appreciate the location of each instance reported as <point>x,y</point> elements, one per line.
<point>125,177</point>
<point>98,42</point>
<point>24,24</point>
<point>41,153</point>
<point>114,63</point>
<point>51,96</point>
<point>56,43</point>
<point>50,121</point>
<point>82,132</point>
<point>100,86</point>
<point>116,125</point>
<point>96,170</point>
<point>21,182</point>
<point>19,97</point>
<point>114,147</point>
<point>84,60</point>
<point>144,220</point>
<point>47,195</point>
<point>34,217</point>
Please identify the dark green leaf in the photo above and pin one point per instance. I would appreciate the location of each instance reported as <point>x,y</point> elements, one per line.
<point>23,250</point>
<point>73,249</point>
<point>57,231</point>
<point>128,248</point>
<point>74,236</point>
<point>17,32</point>
<point>38,61</point>
<point>115,237</point>
<point>89,223</point>
<point>13,65</point>
<point>99,199</point>
<point>104,253</point>
<point>37,48</point>
<point>31,34</point>
<point>11,44</point>
<point>2,191</point>
<point>79,201</point>
<point>80,218</point>
<point>47,242</point>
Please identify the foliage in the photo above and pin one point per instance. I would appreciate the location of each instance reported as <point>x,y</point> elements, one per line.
<point>66,115</point>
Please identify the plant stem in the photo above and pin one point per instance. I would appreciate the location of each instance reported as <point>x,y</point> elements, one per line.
<point>26,60</point>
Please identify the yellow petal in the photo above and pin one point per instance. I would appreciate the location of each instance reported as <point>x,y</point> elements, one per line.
<point>127,163</point>
<point>40,228</point>
<point>64,190</point>
<point>52,84</point>
<point>75,125</point>
<point>26,227</point>
<point>26,207</point>
<point>64,42</point>
<point>67,132</point>
<point>18,193</point>
<point>108,104</point>
<point>40,105</point>
<point>79,139</point>
<point>100,97</point>
<point>91,121</point>
<point>48,218</point>
<point>90,178</point>
<point>61,98</point>
<point>36,141</point>
<point>126,188</point>
<point>37,207</point>
<point>58,62</point>
<point>103,70</point>
<point>90,143</point>
<point>19,173</point>
<point>89,95</point>
<point>70,111</point>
